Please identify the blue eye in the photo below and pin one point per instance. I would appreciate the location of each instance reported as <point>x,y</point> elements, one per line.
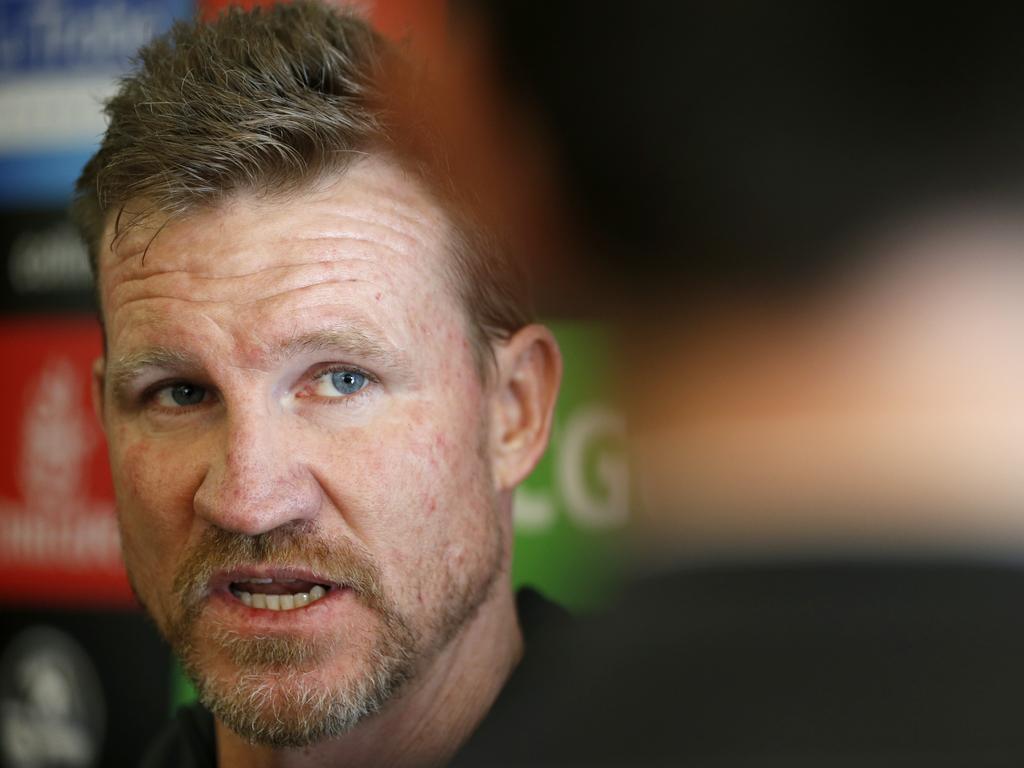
<point>181,395</point>
<point>348,382</point>
<point>338,384</point>
<point>187,394</point>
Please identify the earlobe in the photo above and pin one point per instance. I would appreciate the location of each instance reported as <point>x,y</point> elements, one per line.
<point>99,374</point>
<point>529,372</point>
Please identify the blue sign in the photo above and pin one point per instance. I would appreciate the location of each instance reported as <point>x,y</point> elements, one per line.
<point>59,60</point>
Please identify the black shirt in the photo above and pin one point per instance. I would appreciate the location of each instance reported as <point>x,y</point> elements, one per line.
<point>911,662</point>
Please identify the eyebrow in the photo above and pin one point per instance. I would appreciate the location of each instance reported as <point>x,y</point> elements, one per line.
<point>345,341</point>
<point>124,370</point>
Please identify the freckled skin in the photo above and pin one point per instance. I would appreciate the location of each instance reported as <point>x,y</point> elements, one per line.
<point>400,468</point>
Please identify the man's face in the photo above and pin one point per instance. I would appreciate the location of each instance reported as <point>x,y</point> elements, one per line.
<point>296,421</point>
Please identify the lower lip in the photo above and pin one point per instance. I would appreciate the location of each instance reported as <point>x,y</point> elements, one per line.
<point>228,608</point>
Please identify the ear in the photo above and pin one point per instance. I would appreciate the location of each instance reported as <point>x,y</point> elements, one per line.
<point>529,371</point>
<point>99,375</point>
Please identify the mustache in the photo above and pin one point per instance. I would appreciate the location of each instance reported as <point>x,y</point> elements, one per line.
<point>295,545</point>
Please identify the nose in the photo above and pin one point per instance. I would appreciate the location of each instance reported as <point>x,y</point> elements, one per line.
<point>255,481</point>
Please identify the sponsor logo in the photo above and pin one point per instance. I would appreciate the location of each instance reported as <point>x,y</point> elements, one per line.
<point>52,709</point>
<point>591,477</point>
<point>75,34</point>
<point>56,523</point>
<point>48,260</point>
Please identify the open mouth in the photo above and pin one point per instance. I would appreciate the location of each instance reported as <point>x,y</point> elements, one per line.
<point>278,594</point>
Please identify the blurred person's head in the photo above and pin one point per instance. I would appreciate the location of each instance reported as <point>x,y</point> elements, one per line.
<point>804,217</point>
<point>320,386</point>
<point>881,409</point>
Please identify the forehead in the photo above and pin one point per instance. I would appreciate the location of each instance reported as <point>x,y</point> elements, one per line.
<point>373,199</point>
<point>367,241</point>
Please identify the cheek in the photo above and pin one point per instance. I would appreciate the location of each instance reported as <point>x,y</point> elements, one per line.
<point>405,485</point>
<point>154,487</point>
<point>443,504</point>
<point>408,484</point>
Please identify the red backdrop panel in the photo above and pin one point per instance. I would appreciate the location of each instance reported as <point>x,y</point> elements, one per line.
<point>420,22</point>
<point>58,533</point>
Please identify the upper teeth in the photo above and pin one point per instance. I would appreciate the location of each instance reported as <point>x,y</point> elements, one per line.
<point>278,602</point>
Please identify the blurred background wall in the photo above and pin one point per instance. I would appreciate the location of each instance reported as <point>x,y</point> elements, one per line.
<point>84,678</point>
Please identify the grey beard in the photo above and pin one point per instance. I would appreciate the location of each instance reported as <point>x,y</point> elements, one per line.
<point>277,698</point>
<point>274,703</point>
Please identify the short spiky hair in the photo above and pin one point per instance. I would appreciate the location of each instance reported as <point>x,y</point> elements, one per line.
<point>269,101</point>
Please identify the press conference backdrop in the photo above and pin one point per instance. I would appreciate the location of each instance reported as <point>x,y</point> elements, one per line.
<point>84,679</point>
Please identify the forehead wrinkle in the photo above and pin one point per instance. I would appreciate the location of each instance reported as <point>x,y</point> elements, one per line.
<point>200,274</point>
<point>152,269</point>
<point>400,241</point>
<point>202,289</point>
<point>404,205</point>
<point>399,222</point>
<point>268,281</point>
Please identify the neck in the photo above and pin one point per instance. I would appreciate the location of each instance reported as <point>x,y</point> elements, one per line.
<point>429,719</point>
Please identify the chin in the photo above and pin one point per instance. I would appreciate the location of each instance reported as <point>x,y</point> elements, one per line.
<point>297,709</point>
<point>293,692</point>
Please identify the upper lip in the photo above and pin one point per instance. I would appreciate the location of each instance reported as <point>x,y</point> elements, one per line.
<point>222,580</point>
